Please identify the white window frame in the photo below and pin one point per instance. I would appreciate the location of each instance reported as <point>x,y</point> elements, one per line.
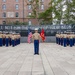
<point>4,14</point>
<point>17,6</point>
<point>29,6</point>
<point>17,0</point>
<point>4,7</point>
<point>4,0</point>
<point>42,7</point>
<point>29,22</point>
<point>29,13</point>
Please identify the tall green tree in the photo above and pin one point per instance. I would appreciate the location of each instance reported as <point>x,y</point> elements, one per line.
<point>57,11</point>
<point>53,13</point>
<point>46,16</point>
<point>35,5</point>
<point>69,13</point>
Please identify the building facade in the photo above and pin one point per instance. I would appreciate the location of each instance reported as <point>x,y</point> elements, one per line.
<point>19,10</point>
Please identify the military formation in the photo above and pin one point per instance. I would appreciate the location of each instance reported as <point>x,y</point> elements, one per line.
<point>65,39</point>
<point>9,39</point>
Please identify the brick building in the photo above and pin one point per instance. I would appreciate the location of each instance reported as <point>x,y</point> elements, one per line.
<point>18,10</point>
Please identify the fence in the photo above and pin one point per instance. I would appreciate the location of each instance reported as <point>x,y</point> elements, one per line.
<point>50,30</point>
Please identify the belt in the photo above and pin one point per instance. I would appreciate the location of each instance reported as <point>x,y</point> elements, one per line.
<point>36,39</point>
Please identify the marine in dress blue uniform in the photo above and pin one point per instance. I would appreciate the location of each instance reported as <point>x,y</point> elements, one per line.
<point>66,39</point>
<point>36,37</point>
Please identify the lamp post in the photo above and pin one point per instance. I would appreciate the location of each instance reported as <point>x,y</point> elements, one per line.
<point>23,11</point>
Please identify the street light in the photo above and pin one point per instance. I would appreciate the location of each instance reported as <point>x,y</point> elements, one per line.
<point>23,11</point>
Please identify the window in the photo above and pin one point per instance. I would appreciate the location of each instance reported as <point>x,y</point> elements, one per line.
<point>29,23</point>
<point>42,6</point>
<point>4,7</point>
<point>17,14</point>
<point>42,0</point>
<point>17,6</point>
<point>29,13</point>
<point>4,22</point>
<point>16,0</point>
<point>29,0</point>
<point>4,14</point>
<point>29,6</point>
<point>4,0</point>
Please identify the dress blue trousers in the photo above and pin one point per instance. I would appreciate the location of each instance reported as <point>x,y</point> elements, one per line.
<point>10,41</point>
<point>68,41</point>
<point>36,46</point>
<point>56,40</point>
<point>7,42</point>
<point>13,43</point>
<point>65,42</point>
<point>1,42</point>
<point>61,41</point>
<point>74,41</point>
<point>71,42</point>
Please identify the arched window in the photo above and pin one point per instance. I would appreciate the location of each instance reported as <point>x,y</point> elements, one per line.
<point>16,0</point>
<point>42,7</point>
<point>17,7</point>
<point>4,0</point>
<point>4,14</point>
<point>4,7</point>
<point>17,14</point>
<point>29,6</point>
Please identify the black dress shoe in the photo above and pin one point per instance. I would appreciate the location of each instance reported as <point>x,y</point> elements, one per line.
<point>34,53</point>
<point>38,54</point>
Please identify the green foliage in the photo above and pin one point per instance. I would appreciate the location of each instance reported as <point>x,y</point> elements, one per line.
<point>35,8</point>
<point>55,8</point>
<point>46,16</point>
<point>69,16</point>
<point>17,23</point>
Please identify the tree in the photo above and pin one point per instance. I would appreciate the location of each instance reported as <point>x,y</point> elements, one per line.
<point>35,4</point>
<point>69,13</point>
<point>46,16</point>
<point>54,12</point>
<point>57,11</point>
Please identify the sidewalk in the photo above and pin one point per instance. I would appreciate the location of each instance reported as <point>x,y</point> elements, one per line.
<point>53,60</point>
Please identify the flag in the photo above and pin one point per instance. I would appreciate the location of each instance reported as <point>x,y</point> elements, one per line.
<point>29,35</point>
<point>42,35</point>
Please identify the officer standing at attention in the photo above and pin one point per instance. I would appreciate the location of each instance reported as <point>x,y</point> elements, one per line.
<point>36,38</point>
<point>1,39</point>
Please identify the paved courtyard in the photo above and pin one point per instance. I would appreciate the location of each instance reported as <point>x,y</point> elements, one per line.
<point>53,60</point>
